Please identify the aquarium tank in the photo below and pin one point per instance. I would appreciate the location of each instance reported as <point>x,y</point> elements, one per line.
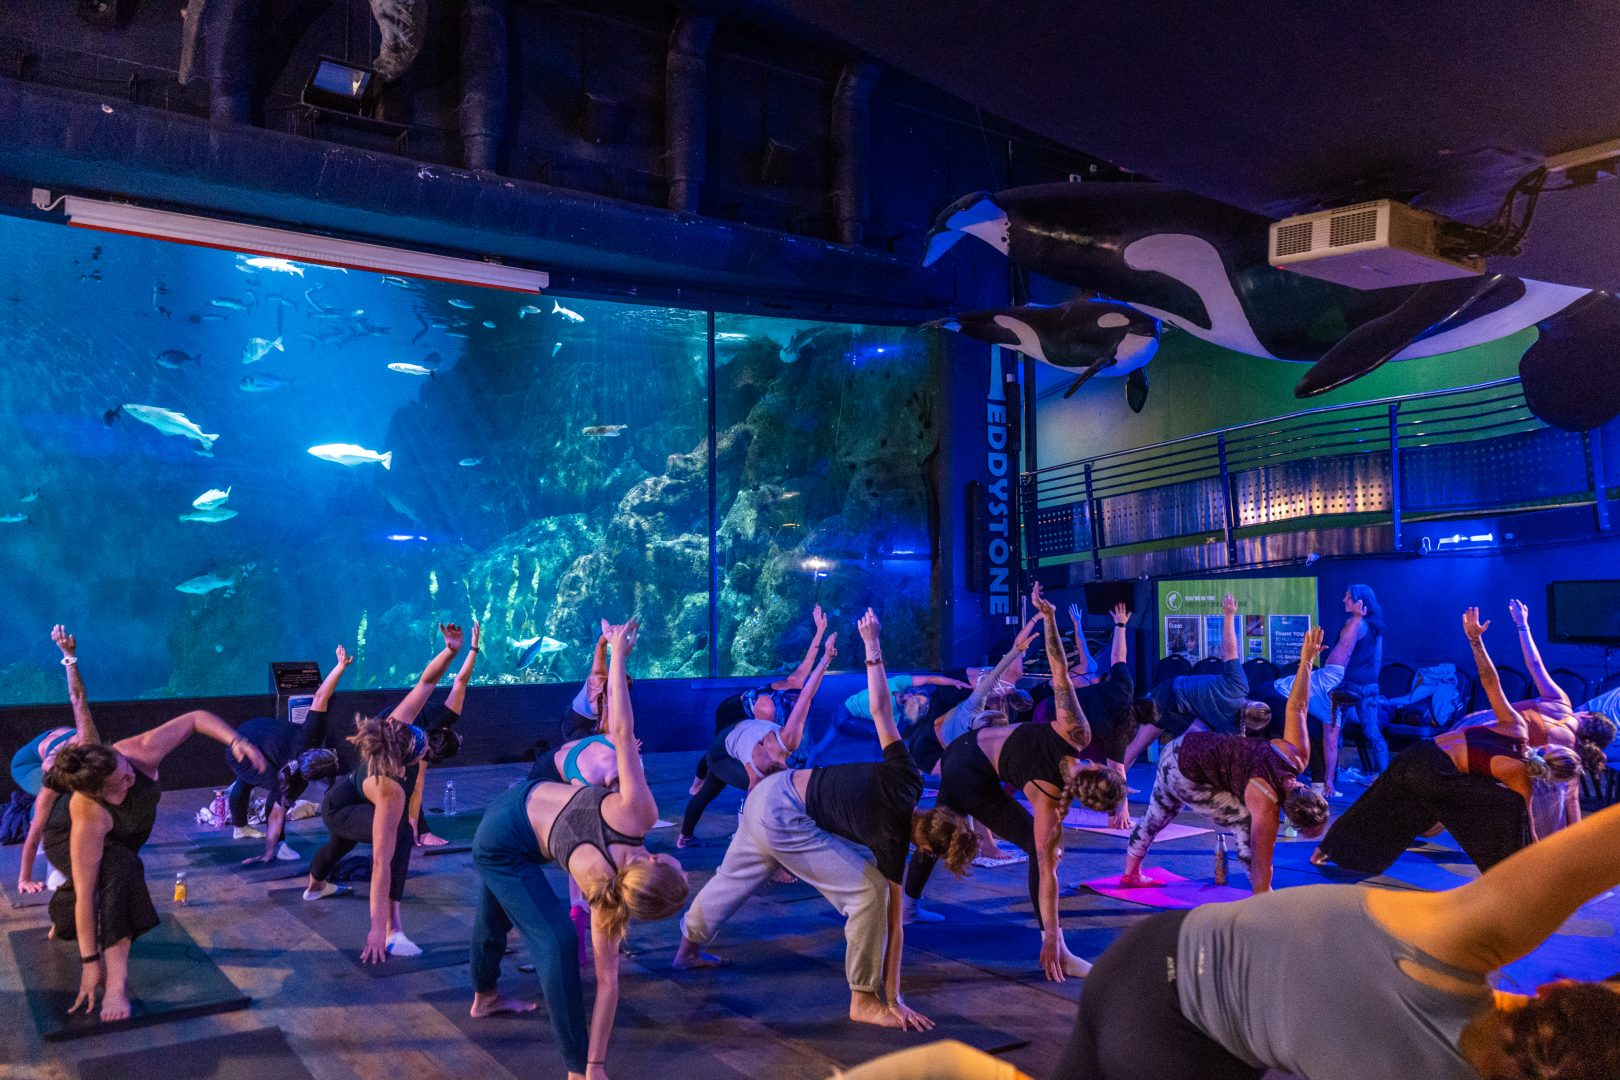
<point>216,460</point>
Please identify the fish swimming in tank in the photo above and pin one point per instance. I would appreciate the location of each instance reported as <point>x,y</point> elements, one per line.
<point>462,304</point>
<point>555,349</point>
<point>279,266</point>
<point>470,462</point>
<point>167,421</point>
<point>258,348</point>
<point>211,516</point>
<point>14,519</point>
<point>488,325</point>
<point>528,309</point>
<point>211,498</point>
<point>203,584</point>
<point>262,383</point>
<point>570,316</point>
<point>603,431</point>
<point>351,455</point>
<point>228,304</point>
<point>174,359</point>
<point>32,496</point>
<point>531,649</point>
<point>411,369</point>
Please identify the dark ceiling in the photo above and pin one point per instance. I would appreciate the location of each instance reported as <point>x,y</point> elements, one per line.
<point>1279,107</point>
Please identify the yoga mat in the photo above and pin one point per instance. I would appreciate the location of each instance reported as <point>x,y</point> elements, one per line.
<point>1170,891</point>
<point>1292,865</point>
<point>457,828</point>
<point>523,1043</point>
<point>170,978</point>
<point>805,998</point>
<point>1096,821</point>
<point>252,1055</point>
<point>343,922</point>
<point>19,900</point>
<point>1005,948</point>
<point>1009,856</point>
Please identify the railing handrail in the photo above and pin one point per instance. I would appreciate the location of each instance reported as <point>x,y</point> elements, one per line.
<point>1427,395</point>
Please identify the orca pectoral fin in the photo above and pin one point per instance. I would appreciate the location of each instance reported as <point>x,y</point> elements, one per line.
<point>1569,375</point>
<point>1377,341</point>
<point>1087,374</point>
<point>1136,390</point>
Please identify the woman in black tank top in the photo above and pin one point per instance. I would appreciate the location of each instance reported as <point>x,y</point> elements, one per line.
<point>1042,762</point>
<point>105,905</point>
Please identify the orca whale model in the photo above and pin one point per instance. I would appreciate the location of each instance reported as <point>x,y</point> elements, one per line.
<point>1201,266</point>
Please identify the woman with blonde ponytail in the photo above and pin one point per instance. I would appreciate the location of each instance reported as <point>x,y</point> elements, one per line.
<point>597,836</point>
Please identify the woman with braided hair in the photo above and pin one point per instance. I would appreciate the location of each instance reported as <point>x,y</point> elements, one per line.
<point>1042,762</point>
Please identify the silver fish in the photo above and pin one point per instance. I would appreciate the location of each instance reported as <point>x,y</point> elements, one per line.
<point>528,309</point>
<point>209,517</point>
<point>462,304</point>
<point>262,383</point>
<point>258,348</point>
<point>571,316</point>
<point>280,266</point>
<point>211,498</point>
<point>167,421</point>
<point>488,325</point>
<point>228,304</point>
<point>203,584</point>
<point>470,462</point>
<point>13,519</point>
<point>555,349</point>
<point>174,358</point>
<point>531,649</point>
<point>32,496</point>
<point>603,431</point>
<point>411,369</point>
<point>351,455</point>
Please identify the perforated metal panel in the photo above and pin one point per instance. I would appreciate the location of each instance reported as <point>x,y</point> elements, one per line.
<point>1537,466</point>
<point>1314,487</point>
<point>1061,530</point>
<point>1173,510</point>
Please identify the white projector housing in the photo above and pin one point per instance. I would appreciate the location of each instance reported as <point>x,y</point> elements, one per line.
<point>1372,245</point>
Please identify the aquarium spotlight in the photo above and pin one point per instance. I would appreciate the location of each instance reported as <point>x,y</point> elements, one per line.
<point>284,244</point>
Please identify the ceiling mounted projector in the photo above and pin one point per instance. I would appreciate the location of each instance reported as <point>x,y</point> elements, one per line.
<point>1372,245</point>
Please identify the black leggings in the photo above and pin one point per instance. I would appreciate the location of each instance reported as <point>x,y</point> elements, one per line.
<point>718,770</point>
<point>968,784</point>
<point>1421,787</point>
<point>1130,1025</point>
<point>349,817</point>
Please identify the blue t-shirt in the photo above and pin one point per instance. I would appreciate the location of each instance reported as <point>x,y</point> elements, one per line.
<point>861,704</point>
<point>1214,699</point>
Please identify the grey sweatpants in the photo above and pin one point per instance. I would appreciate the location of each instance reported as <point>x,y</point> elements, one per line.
<point>777,830</point>
<point>1172,791</point>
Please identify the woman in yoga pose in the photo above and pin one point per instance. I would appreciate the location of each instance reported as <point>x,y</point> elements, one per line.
<point>1115,713</point>
<point>990,703</point>
<point>1337,982</point>
<point>377,805</point>
<point>1365,619</point>
<point>1476,782</point>
<point>293,759</point>
<point>96,835</point>
<point>30,764</point>
<point>815,823</point>
<point>597,837</point>
<point>443,742</point>
<point>1042,762</point>
<point>749,750</point>
<point>1247,785</point>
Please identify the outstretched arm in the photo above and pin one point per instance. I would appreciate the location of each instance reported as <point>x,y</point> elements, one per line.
<point>1071,719</point>
<point>991,679</point>
<point>30,848</point>
<point>877,681</point>
<point>328,687</point>
<point>389,799</point>
<point>1508,720</point>
<point>1082,655</point>
<point>939,680</point>
<point>795,678</point>
<point>1121,644</point>
<point>82,722</point>
<point>605,1007</point>
<point>90,825</point>
<point>1048,850</point>
<point>793,730</point>
<point>406,711</point>
<point>640,808</point>
<point>149,748</point>
<point>1296,732</point>
<point>458,687</point>
<point>1229,637</point>
<point>1545,686</point>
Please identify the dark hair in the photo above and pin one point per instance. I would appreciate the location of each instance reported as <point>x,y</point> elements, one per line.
<point>1304,808</point>
<point>1096,787</point>
<point>1375,614</point>
<point>1594,732</point>
<point>1019,701</point>
<point>945,834</point>
<point>1565,1032</point>
<point>85,769</point>
<point>442,744</point>
<point>1254,716</point>
<point>318,764</point>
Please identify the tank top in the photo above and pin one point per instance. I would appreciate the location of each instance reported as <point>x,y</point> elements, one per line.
<point>1482,745</point>
<point>1303,980</point>
<point>570,767</point>
<point>1362,667</point>
<point>132,819</point>
<point>1034,752</point>
<point>361,773</point>
<point>579,823</point>
<point>1229,762</point>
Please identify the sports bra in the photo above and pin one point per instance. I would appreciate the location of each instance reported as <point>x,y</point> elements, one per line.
<point>570,766</point>
<point>1481,745</point>
<point>1034,752</point>
<point>579,823</point>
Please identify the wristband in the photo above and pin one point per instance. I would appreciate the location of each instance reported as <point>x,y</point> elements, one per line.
<point>93,958</point>
<point>1122,625</point>
<point>70,661</point>
<point>874,663</point>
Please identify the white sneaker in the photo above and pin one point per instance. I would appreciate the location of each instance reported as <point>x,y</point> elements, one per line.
<point>287,854</point>
<point>247,832</point>
<point>912,912</point>
<point>1289,831</point>
<point>400,945</point>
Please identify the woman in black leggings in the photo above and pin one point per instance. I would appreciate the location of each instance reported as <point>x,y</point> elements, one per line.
<point>370,807</point>
<point>1042,761</point>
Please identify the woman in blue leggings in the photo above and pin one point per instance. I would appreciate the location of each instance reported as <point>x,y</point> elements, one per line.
<point>595,835</point>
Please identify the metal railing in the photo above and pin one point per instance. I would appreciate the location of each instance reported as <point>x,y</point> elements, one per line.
<point>1375,464</point>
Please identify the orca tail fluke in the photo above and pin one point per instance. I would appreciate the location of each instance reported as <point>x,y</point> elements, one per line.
<point>1568,374</point>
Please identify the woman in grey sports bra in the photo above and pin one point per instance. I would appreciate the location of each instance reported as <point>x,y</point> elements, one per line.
<point>596,835</point>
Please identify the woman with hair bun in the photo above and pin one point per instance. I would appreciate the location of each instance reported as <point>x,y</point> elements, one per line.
<point>96,835</point>
<point>377,805</point>
<point>1042,762</point>
<point>815,823</point>
<point>597,836</point>
<point>34,758</point>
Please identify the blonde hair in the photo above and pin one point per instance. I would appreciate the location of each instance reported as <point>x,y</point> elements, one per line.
<point>382,744</point>
<point>1556,763</point>
<point>647,890</point>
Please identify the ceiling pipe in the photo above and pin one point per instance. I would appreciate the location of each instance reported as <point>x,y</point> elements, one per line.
<point>484,61</point>
<point>852,148</point>
<point>686,110</point>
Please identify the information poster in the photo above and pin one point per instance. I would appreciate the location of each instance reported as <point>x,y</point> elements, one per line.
<point>1272,617</point>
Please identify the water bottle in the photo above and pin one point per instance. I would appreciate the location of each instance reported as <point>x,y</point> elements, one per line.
<point>180,891</point>
<point>449,797</point>
<point>220,809</point>
<point>1220,858</point>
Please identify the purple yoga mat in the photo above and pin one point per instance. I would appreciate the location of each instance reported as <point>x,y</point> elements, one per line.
<point>1169,891</point>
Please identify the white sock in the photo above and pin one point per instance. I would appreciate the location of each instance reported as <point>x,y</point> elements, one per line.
<point>287,854</point>
<point>55,879</point>
<point>400,945</point>
<point>327,889</point>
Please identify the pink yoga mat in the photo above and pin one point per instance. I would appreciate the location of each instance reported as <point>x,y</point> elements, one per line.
<point>1169,890</point>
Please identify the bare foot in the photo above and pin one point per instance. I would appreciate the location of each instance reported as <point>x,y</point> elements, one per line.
<point>1318,859</point>
<point>429,840</point>
<point>1074,967</point>
<point>489,1004</point>
<point>867,1009</point>
<point>115,1006</point>
<point>689,957</point>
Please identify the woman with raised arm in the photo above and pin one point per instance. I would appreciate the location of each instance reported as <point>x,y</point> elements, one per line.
<point>818,824</point>
<point>731,709</point>
<point>376,805</point>
<point>1476,782</point>
<point>584,716</point>
<point>750,750</point>
<point>443,741</point>
<point>1337,982</point>
<point>294,756</point>
<point>98,832</point>
<point>1246,785</point>
<point>988,705</point>
<point>30,764</point>
<point>1115,712</point>
<point>1082,667</point>
<point>1042,762</point>
<point>597,836</point>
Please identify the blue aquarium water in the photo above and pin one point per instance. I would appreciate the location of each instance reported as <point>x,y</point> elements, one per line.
<point>214,461</point>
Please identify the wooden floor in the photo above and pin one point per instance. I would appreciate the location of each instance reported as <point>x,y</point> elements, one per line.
<point>345,1025</point>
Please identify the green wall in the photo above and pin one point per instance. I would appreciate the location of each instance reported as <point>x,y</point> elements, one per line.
<point>1200,387</point>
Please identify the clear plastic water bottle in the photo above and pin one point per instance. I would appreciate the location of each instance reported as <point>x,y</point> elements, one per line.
<point>181,893</point>
<point>449,797</point>
<point>1220,858</point>
<point>220,809</point>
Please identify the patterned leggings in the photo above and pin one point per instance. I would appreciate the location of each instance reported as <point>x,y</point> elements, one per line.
<point>1172,791</point>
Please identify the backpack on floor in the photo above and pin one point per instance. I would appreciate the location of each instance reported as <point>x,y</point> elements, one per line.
<point>14,819</point>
